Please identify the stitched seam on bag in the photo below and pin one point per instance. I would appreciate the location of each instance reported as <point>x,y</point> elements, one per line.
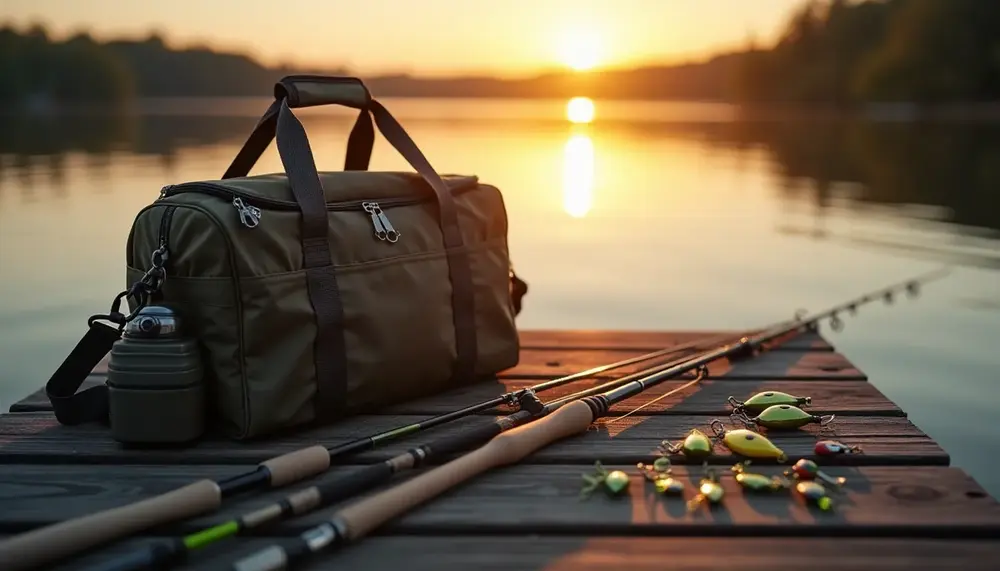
<point>419,256</point>
<point>193,280</point>
<point>479,247</point>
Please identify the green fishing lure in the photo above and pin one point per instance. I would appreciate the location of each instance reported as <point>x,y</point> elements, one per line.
<point>761,401</point>
<point>758,482</point>
<point>695,445</point>
<point>782,417</point>
<point>614,482</point>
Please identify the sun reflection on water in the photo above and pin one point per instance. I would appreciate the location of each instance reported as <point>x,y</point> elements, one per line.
<point>578,175</point>
<point>580,110</point>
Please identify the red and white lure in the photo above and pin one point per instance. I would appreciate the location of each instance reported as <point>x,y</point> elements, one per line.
<point>834,447</point>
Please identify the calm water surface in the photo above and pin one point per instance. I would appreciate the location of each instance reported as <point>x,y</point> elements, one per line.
<point>653,216</point>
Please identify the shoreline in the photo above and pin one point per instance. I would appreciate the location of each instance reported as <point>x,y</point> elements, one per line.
<point>242,105</point>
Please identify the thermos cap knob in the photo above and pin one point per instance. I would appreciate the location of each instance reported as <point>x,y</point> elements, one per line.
<point>154,322</point>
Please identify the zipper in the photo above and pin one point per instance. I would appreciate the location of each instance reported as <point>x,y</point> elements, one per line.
<point>231,193</point>
<point>383,228</point>
<point>380,232</point>
<point>250,215</point>
<point>163,253</point>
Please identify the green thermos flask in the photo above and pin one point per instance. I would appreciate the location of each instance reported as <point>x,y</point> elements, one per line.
<point>155,389</point>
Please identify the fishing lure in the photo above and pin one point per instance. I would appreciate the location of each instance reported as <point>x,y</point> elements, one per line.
<point>815,494</point>
<point>806,470</point>
<point>747,442</point>
<point>614,482</point>
<point>660,474</point>
<point>760,401</point>
<point>695,445</point>
<point>834,447</point>
<point>758,482</point>
<point>709,490</point>
<point>782,417</point>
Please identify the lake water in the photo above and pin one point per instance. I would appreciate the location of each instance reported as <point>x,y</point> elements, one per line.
<point>653,216</point>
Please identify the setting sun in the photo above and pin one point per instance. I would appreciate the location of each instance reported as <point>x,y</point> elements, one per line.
<point>580,49</point>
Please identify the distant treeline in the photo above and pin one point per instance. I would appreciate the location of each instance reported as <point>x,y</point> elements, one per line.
<point>926,51</point>
<point>832,52</point>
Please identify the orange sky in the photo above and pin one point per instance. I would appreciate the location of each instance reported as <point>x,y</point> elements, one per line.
<point>430,37</point>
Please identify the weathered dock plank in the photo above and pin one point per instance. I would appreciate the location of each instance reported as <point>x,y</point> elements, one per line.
<point>901,499</point>
<point>643,341</point>
<point>38,437</point>
<point>708,396</point>
<point>806,357</point>
<point>772,364</point>
<point>573,553</point>
<point>543,499</point>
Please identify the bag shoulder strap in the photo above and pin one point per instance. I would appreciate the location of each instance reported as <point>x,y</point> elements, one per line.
<point>90,405</point>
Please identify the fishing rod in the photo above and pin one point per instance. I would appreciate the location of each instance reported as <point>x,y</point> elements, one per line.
<point>159,556</point>
<point>55,541</point>
<point>554,422</point>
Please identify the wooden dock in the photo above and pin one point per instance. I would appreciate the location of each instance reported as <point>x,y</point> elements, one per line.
<point>903,506</point>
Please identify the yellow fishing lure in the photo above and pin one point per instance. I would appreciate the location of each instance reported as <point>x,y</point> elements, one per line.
<point>747,442</point>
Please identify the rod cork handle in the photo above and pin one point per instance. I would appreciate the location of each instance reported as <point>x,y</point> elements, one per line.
<point>369,513</point>
<point>298,465</point>
<point>53,542</point>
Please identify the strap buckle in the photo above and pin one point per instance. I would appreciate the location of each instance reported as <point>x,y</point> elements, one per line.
<point>151,282</point>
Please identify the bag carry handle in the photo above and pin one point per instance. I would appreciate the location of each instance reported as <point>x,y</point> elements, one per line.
<point>296,156</point>
<point>312,91</point>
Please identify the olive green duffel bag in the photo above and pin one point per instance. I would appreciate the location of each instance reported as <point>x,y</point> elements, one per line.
<point>318,295</point>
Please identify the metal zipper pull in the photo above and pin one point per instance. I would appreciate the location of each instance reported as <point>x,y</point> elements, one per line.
<point>249,215</point>
<point>390,232</point>
<point>370,207</point>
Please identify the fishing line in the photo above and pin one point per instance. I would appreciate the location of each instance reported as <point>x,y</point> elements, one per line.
<point>702,373</point>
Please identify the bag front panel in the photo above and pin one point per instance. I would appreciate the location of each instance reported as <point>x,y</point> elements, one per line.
<point>397,330</point>
<point>259,330</point>
<point>279,336</point>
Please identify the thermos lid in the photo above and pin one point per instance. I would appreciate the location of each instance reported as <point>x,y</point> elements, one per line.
<point>154,322</point>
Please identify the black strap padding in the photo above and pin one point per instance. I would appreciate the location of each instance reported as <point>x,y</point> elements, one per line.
<point>324,294</point>
<point>91,405</point>
<point>360,143</point>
